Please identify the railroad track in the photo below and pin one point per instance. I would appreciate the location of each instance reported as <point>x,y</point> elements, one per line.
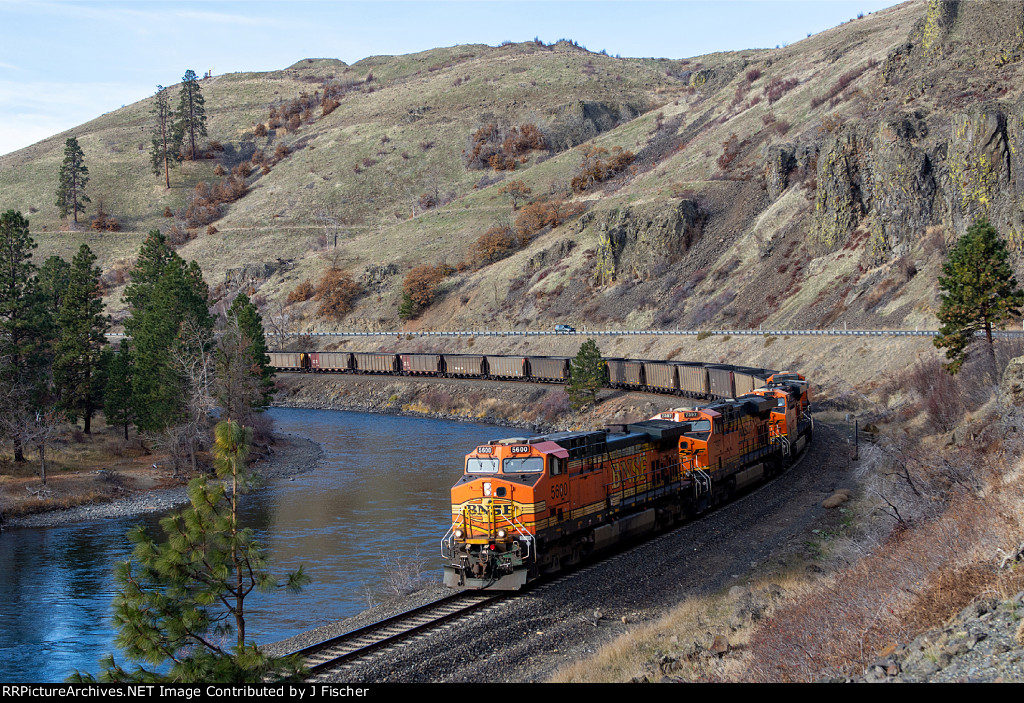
<point>351,647</point>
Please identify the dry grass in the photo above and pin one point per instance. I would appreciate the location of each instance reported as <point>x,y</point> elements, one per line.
<point>80,470</point>
<point>678,644</point>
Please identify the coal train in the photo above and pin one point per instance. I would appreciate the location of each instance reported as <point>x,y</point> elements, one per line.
<point>685,378</point>
<point>526,506</point>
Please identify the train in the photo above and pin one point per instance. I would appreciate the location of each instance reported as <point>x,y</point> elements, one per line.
<point>527,506</point>
<point>683,378</point>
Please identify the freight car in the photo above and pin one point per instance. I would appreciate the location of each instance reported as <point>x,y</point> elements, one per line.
<point>289,361</point>
<point>530,505</point>
<point>685,378</point>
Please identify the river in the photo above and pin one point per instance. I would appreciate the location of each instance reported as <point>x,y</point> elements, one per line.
<point>379,495</point>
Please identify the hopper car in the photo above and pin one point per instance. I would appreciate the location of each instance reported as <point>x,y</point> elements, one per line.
<point>684,378</point>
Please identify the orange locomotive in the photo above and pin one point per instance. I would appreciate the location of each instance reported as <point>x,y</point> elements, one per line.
<point>526,506</point>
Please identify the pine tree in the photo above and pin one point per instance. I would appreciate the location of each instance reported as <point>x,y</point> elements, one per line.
<point>160,152</point>
<point>257,361</point>
<point>166,295</point>
<point>77,371</point>
<point>979,292</point>
<point>26,329</point>
<point>191,117</point>
<point>54,276</point>
<point>587,375</point>
<point>74,176</point>
<point>117,394</point>
<point>182,602</point>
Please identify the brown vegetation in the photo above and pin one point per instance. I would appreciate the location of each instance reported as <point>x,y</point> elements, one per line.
<point>598,165</point>
<point>492,147</point>
<point>494,244</point>
<point>336,291</point>
<point>544,213</point>
<point>301,293</point>
<point>422,281</point>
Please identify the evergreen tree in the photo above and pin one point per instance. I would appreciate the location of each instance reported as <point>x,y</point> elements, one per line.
<point>117,393</point>
<point>160,152</point>
<point>74,176</point>
<point>54,276</point>
<point>238,387</point>
<point>77,371</point>
<point>153,258</point>
<point>181,602</point>
<point>250,323</point>
<point>25,332</point>
<point>166,295</point>
<point>979,292</point>
<point>587,375</point>
<point>191,117</point>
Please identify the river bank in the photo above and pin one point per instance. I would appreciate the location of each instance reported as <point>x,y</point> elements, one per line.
<point>290,455</point>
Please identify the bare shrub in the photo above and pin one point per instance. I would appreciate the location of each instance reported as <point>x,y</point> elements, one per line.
<point>599,165</point>
<point>730,150</point>
<point>336,292</point>
<point>537,215</point>
<point>405,574</point>
<point>421,283</point>
<point>262,425</point>
<point>494,244</point>
<point>554,406</point>
<point>437,400</point>
<point>844,80</point>
<point>777,87</point>
<point>492,147</point>
<point>301,293</point>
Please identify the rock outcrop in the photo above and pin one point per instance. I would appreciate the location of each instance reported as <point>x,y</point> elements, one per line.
<point>1011,388</point>
<point>634,240</point>
<point>903,188</point>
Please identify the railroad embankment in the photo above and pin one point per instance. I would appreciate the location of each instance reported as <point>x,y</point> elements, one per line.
<point>841,371</point>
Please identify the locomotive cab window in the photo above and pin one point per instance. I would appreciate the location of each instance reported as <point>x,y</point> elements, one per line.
<point>484,465</point>
<point>525,465</point>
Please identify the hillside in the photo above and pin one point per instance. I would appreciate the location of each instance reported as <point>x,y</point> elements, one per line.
<point>809,185</point>
<point>527,185</point>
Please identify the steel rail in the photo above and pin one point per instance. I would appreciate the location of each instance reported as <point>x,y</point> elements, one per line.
<point>350,646</point>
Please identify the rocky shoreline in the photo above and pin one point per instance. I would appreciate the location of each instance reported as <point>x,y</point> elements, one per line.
<point>290,455</point>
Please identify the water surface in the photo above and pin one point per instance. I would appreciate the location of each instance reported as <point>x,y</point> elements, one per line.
<point>379,496</point>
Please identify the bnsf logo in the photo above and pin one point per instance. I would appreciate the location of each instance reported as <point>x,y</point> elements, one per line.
<point>520,450</point>
<point>506,509</point>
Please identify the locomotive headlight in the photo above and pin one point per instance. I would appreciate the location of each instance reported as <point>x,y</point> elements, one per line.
<point>501,534</point>
<point>459,534</point>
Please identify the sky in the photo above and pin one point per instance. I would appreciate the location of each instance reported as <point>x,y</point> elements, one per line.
<point>65,63</point>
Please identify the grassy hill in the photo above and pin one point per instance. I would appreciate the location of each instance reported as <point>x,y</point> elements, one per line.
<point>814,184</point>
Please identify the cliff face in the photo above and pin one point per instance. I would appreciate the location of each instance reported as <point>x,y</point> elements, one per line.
<point>948,161</point>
